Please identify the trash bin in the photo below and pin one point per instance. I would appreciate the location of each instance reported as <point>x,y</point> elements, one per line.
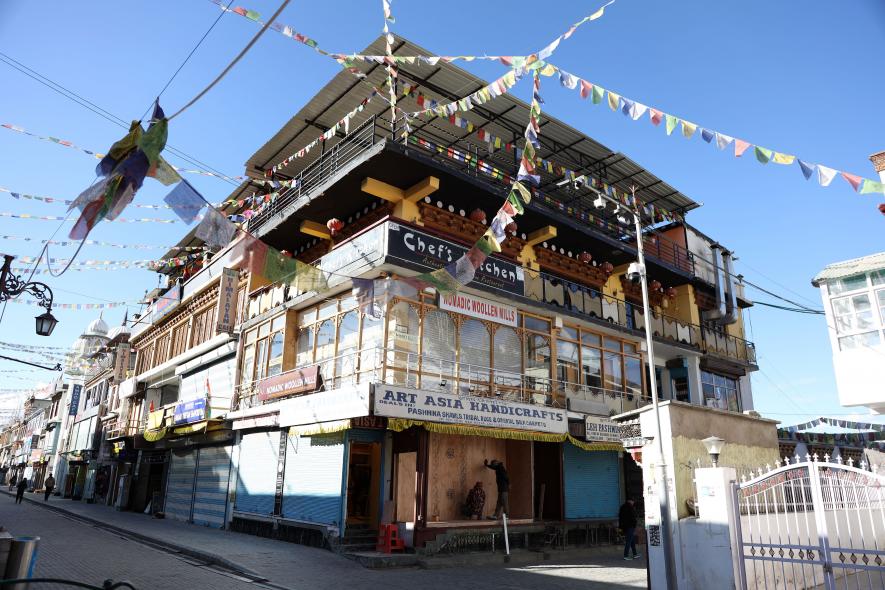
<point>22,558</point>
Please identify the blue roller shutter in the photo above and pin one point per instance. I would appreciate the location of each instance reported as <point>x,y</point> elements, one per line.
<point>213,474</point>
<point>180,484</point>
<point>313,476</point>
<point>257,472</point>
<point>592,483</point>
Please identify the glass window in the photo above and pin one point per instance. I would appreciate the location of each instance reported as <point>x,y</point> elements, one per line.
<point>536,324</point>
<point>720,391</point>
<point>251,336</point>
<point>614,376</point>
<point>261,359</point>
<point>508,357</point>
<point>633,375</point>
<point>304,347</point>
<point>848,284</point>
<point>371,343</point>
<point>402,343</point>
<point>278,323</point>
<point>348,340</point>
<point>325,340</point>
<point>880,298</point>
<point>859,340</point>
<point>439,350</point>
<point>853,313</point>
<point>537,356</point>
<point>590,339</point>
<point>263,330</point>
<point>275,360</point>
<point>878,277</point>
<point>569,333</point>
<point>567,362</point>
<point>475,348</point>
<point>612,344</point>
<point>629,348</point>
<point>248,363</point>
<point>328,309</point>
<point>591,366</point>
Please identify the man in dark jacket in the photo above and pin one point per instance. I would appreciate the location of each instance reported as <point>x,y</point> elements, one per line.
<point>503,482</point>
<point>627,523</point>
<point>20,489</point>
<point>48,486</point>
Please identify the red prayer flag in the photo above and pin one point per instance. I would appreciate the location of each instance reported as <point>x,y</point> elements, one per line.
<point>656,116</point>
<point>740,146</point>
<point>853,180</point>
<point>586,88</point>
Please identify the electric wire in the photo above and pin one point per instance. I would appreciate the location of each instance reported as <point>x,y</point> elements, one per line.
<point>186,59</point>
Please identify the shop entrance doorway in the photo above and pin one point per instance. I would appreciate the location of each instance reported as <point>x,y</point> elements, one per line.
<point>363,475</point>
<point>548,480</point>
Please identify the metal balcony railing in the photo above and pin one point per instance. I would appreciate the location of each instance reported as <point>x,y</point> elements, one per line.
<point>125,428</point>
<point>392,366</point>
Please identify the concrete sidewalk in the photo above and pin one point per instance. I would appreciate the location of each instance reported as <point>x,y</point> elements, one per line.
<point>287,565</point>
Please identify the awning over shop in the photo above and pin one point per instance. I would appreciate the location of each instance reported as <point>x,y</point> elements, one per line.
<point>154,434</point>
<point>319,428</point>
<point>198,427</point>
<point>400,424</point>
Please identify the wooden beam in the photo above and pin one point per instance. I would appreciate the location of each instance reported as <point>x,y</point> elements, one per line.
<point>421,189</point>
<point>382,190</point>
<point>317,230</point>
<point>548,232</point>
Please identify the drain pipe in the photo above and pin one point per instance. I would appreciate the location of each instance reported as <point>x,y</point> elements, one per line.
<point>506,538</point>
<point>719,310</point>
<point>730,307</point>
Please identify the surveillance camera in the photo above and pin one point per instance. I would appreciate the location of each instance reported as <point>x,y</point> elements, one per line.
<point>599,203</point>
<point>577,184</point>
<point>635,272</point>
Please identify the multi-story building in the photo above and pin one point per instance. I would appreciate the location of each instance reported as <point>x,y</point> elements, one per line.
<point>853,294</point>
<point>300,413</point>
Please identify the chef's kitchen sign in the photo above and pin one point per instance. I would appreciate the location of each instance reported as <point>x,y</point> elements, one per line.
<point>434,406</point>
<point>421,251</point>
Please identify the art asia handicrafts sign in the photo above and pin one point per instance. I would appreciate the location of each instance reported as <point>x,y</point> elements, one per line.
<point>416,404</point>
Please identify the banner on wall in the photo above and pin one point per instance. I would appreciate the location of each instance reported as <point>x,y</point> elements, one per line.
<point>419,250</point>
<point>325,406</point>
<point>435,406</point>
<point>227,301</point>
<point>290,382</point>
<point>478,307</point>
<point>601,429</point>
<point>121,361</point>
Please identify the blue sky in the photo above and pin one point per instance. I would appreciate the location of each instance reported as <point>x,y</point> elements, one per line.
<point>800,78</point>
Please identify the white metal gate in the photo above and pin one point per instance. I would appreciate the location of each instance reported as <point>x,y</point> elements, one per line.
<point>811,524</point>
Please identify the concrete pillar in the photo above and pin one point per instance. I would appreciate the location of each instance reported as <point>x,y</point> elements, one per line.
<point>709,546</point>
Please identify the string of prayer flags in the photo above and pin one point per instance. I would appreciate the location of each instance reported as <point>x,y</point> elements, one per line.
<point>73,306</point>
<point>122,173</point>
<point>99,243</point>
<point>763,155</point>
<point>52,200</point>
<point>60,218</point>
<point>185,201</point>
<point>215,229</point>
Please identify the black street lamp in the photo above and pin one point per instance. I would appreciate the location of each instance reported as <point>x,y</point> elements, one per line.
<point>12,286</point>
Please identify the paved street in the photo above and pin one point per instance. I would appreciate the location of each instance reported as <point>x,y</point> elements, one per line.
<point>74,549</point>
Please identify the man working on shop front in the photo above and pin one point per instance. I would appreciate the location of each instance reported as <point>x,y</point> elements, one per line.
<point>503,482</point>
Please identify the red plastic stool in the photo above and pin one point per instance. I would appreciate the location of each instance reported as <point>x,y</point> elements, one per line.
<point>389,539</point>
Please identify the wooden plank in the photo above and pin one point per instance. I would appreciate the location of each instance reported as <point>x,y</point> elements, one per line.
<point>317,230</point>
<point>421,189</point>
<point>382,190</point>
<point>541,234</point>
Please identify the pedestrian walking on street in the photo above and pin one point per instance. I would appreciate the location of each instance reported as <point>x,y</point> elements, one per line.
<point>48,486</point>
<point>20,489</point>
<point>627,523</point>
<point>503,482</point>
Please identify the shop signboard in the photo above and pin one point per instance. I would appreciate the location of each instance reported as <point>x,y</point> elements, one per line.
<point>75,399</point>
<point>435,406</point>
<point>192,410</point>
<point>121,361</point>
<point>422,251</point>
<point>166,303</point>
<point>355,256</point>
<point>288,383</point>
<point>601,429</point>
<point>325,406</point>
<point>227,301</point>
<point>478,307</point>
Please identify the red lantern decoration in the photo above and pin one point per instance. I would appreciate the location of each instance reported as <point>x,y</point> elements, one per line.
<point>671,292</point>
<point>882,208</point>
<point>478,215</point>
<point>585,257</point>
<point>334,226</point>
<point>286,253</point>
<point>655,286</point>
<point>608,268</point>
<point>510,229</point>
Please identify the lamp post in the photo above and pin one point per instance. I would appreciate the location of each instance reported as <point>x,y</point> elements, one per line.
<point>12,286</point>
<point>714,446</point>
<point>663,493</point>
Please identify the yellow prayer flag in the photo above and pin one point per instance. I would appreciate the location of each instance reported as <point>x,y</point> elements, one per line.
<point>613,100</point>
<point>688,129</point>
<point>597,14</point>
<point>548,70</point>
<point>780,158</point>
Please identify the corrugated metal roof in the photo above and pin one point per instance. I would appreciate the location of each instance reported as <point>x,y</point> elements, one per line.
<point>847,268</point>
<point>504,116</point>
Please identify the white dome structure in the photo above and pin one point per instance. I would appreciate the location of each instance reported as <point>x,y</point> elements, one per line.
<point>98,328</point>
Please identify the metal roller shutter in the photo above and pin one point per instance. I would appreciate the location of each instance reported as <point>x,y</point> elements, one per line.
<point>592,483</point>
<point>180,486</point>
<point>257,472</point>
<point>313,476</point>
<point>213,474</point>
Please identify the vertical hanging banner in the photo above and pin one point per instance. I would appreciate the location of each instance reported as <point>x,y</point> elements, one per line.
<point>227,301</point>
<point>75,400</point>
<point>121,361</point>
